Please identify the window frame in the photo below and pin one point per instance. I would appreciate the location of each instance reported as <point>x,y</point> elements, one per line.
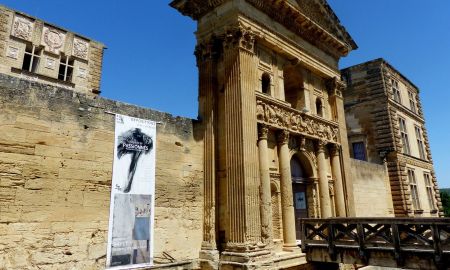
<point>66,64</point>
<point>404,136</point>
<point>429,188</point>
<point>412,101</point>
<point>35,58</point>
<point>420,142</point>
<point>363,148</point>
<point>396,95</point>
<point>414,189</point>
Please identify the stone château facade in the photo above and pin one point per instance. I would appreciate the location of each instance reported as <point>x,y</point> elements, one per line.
<point>386,123</point>
<point>270,146</point>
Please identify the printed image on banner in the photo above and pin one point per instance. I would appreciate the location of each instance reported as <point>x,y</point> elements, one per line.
<point>130,236</point>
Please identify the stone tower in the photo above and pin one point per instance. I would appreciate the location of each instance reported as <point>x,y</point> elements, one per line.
<point>275,136</point>
<point>35,50</point>
<point>386,123</point>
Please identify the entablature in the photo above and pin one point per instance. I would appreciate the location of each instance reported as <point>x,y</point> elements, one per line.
<point>338,44</point>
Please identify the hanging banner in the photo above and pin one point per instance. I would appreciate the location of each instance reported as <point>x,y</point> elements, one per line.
<point>130,236</point>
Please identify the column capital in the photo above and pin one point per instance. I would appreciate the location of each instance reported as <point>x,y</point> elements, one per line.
<point>283,137</point>
<point>321,144</point>
<point>335,150</point>
<point>207,49</point>
<point>241,37</point>
<point>263,132</point>
<point>335,86</point>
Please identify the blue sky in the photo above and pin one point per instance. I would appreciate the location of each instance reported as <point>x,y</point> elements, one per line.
<point>150,62</point>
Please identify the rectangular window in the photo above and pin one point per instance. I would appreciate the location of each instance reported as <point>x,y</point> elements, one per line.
<point>420,142</point>
<point>31,58</point>
<point>412,102</point>
<point>65,69</point>
<point>413,187</point>
<point>429,187</point>
<point>396,92</point>
<point>359,151</point>
<point>404,135</point>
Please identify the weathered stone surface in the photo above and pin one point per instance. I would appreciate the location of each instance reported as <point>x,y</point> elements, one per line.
<point>56,156</point>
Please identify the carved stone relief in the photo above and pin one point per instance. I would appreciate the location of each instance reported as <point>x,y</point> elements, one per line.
<point>50,63</point>
<point>297,122</point>
<point>53,39</point>
<point>80,48</point>
<point>12,52</point>
<point>82,73</point>
<point>22,27</point>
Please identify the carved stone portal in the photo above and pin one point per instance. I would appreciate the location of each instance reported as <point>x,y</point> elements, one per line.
<point>22,28</point>
<point>53,39</point>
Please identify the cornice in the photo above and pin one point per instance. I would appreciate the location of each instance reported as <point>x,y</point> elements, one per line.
<point>337,44</point>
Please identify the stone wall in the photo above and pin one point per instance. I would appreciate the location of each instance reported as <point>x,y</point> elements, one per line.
<point>372,190</point>
<point>56,152</point>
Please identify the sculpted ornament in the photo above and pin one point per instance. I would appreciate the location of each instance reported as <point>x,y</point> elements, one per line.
<point>240,37</point>
<point>80,48</point>
<point>22,28</point>
<point>53,39</point>
<point>301,123</point>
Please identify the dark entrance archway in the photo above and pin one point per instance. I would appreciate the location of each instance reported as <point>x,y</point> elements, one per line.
<point>299,189</point>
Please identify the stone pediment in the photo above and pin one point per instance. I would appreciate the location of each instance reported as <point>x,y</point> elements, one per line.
<point>314,20</point>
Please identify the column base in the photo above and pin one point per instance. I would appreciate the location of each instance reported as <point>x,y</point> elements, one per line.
<point>209,258</point>
<point>260,259</point>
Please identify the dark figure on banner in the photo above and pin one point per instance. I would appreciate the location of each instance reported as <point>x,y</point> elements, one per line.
<point>135,143</point>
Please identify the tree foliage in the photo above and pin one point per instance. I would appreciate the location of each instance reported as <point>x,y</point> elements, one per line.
<point>445,198</point>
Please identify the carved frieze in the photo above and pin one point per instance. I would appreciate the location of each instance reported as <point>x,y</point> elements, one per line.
<point>53,39</point>
<point>284,117</point>
<point>80,48</point>
<point>50,63</point>
<point>82,73</point>
<point>22,27</point>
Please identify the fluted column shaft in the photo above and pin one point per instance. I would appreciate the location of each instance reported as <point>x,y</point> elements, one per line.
<point>287,201</point>
<point>241,152</point>
<point>324,192</point>
<point>265,194</point>
<point>206,63</point>
<point>338,185</point>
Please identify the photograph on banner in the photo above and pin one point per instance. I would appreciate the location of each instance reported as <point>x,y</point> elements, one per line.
<point>130,236</point>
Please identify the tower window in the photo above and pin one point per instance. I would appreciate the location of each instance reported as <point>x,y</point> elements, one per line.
<point>65,69</point>
<point>265,83</point>
<point>404,136</point>
<point>429,187</point>
<point>31,58</point>
<point>359,151</point>
<point>414,191</point>
<point>396,92</point>
<point>319,107</point>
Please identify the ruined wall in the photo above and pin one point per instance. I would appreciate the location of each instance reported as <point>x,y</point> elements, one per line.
<point>372,190</point>
<point>56,152</point>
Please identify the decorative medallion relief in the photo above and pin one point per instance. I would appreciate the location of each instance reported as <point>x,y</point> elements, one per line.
<point>22,27</point>
<point>80,48</point>
<point>284,117</point>
<point>12,52</point>
<point>53,39</point>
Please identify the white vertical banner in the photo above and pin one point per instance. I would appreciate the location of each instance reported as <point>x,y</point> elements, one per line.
<point>131,218</point>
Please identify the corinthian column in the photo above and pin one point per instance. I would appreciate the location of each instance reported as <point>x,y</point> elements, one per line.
<point>287,200</point>
<point>240,136</point>
<point>266,203</point>
<point>338,185</point>
<point>206,62</point>
<point>325,201</point>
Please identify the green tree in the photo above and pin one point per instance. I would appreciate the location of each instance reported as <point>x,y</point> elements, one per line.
<point>445,198</point>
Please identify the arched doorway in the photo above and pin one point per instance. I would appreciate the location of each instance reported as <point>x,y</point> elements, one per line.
<point>299,189</point>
